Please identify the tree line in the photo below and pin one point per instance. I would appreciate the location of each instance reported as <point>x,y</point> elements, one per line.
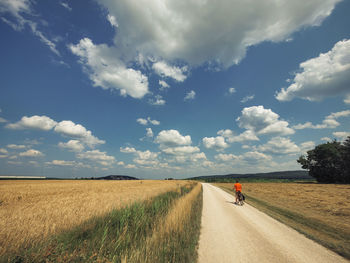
<point>328,162</point>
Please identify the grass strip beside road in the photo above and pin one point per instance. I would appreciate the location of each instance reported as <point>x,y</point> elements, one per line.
<point>324,234</point>
<point>115,236</point>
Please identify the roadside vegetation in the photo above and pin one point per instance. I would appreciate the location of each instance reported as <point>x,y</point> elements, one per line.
<point>163,228</point>
<point>319,211</point>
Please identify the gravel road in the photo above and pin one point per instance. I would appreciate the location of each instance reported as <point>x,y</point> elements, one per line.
<point>232,233</point>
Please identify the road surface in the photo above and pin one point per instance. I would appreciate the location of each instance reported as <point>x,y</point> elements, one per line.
<point>232,233</point>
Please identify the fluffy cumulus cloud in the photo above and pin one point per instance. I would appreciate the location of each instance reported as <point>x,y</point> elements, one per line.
<point>172,138</point>
<point>142,158</point>
<point>279,145</point>
<point>329,122</point>
<point>34,122</point>
<point>163,85</point>
<point>247,98</point>
<point>222,157</point>
<point>107,71</point>
<point>263,121</point>
<point>147,121</point>
<point>181,150</point>
<point>218,143</point>
<point>65,128</point>
<point>70,129</point>
<point>190,95</point>
<point>149,133</point>
<point>341,135</point>
<point>72,145</point>
<point>182,30</point>
<point>16,146</point>
<point>321,77</point>
<point>31,153</point>
<point>97,156</point>
<point>243,137</point>
<point>165,70</point>
<point>157,101</point>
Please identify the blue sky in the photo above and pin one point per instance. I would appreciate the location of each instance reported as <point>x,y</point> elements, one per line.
<point>159,89</point>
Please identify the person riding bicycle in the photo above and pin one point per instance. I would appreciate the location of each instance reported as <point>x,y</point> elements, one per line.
<point>238,189</point>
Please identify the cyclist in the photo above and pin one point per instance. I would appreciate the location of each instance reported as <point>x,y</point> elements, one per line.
<point>238,189</point>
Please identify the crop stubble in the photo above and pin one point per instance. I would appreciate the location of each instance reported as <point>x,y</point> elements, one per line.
<point>33,210</point>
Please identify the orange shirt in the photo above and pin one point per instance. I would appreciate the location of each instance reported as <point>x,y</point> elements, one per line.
<point>238,187</point>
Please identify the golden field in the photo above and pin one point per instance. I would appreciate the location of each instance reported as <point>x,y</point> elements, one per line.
<point>33,210</point>
<point>320,211</point>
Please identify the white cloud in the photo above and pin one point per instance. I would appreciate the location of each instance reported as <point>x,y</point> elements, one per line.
<point>263,121</point>
<point>72,145</point>
<point>31,153</point>
<point>165,70</point>
<point>62,163</point>
<point>143,158</point>
<point>181,150</point>
<point>157,101</point>
<point>147,121</point>
<point>142,121</point>
<point>127,150</point>
<point>243,137</point>
<point>341,135</point>
<point>149,133</point>
<point>190,95</point>
<point>107,71</point>
<point>347,99</point>
<point>163,85</point>
<point>16,146</point>
<point>21,12</point>
<point>231,90</point>
<point>97,156</point>
<point>70,129</point>
<point>2,120</point>
<point>327,139</point>
<point>254,156</point>
<point>3,151</point>
<point>112,20</point>
<point>130,166</point>
<point>280,145</point>
<point>306,146</point>
<point>172,138</point>
<point>247,98</point>
<point>321,77</point>
<point>35,122</point>
<point>328,123</point>
<point>66,6</point>
<point>184,30</point>
<point>218,143</point>
<point>225,157</point>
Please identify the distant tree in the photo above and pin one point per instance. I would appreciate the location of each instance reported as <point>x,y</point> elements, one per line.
<point>346,158</point>
<point>328,162</point>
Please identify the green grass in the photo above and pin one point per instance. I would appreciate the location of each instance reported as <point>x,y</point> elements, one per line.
<point>108,238</point>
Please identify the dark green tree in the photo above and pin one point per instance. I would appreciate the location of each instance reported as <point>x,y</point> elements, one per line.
<point>328,162</point>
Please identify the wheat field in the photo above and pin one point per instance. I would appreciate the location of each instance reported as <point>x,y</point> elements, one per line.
<point>33,210</point>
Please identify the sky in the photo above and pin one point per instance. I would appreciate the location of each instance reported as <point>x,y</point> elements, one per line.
<point>164,88</point>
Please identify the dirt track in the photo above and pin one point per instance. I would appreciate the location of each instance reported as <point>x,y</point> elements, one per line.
<point>233,233</point>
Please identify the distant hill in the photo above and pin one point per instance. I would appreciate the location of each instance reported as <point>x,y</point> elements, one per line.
<point>287,175</point>
<point>116,177</point>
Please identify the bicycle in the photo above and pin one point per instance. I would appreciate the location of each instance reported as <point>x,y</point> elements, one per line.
<point>241,198</point>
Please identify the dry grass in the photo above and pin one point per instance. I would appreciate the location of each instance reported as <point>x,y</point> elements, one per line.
<point>33,210</point>
<point>320,211</point>
<point>176,233</point>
